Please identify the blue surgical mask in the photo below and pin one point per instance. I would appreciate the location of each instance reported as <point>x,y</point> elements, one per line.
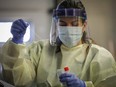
<point>70,36</point>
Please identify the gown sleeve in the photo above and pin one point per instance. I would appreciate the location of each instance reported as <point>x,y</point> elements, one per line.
<point>102,68</point>
<point>19,64</point>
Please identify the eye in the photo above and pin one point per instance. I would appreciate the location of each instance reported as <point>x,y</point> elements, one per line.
<point>62,23</point>
<point>75,23</point>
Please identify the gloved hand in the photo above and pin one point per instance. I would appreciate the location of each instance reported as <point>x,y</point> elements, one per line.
<point>71,80</point>
<point>18,30</point>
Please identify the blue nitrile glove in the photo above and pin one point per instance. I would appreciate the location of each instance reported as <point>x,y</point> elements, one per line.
<point>71,80</point>
<point>18,30</point>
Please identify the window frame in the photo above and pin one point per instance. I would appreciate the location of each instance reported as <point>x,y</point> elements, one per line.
<point>32,32</point>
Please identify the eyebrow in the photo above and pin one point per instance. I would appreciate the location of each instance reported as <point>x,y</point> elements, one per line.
<point>71,21</point>
<point>63,21</point>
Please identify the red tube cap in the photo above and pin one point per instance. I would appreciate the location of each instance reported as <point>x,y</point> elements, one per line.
<point>66,68</point>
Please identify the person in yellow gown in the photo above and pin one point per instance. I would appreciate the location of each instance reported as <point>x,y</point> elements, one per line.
<point>36,65</point>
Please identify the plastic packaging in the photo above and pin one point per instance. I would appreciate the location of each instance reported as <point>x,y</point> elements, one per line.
<point>60,71</point>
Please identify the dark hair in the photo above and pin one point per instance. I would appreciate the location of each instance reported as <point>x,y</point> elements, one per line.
<point>70,4</point>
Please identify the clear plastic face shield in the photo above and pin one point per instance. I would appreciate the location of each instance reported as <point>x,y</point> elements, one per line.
<point>74,17</point>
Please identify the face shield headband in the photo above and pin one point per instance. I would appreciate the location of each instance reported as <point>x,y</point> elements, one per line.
<point>69,13</point>
<point>58,13</point>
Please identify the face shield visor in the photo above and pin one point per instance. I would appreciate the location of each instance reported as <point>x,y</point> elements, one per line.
<point>62,13</point>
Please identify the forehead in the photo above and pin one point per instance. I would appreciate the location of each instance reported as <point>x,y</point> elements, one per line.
<point>67,19</point>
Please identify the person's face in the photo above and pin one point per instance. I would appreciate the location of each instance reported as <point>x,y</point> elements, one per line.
<point>71,21</point>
